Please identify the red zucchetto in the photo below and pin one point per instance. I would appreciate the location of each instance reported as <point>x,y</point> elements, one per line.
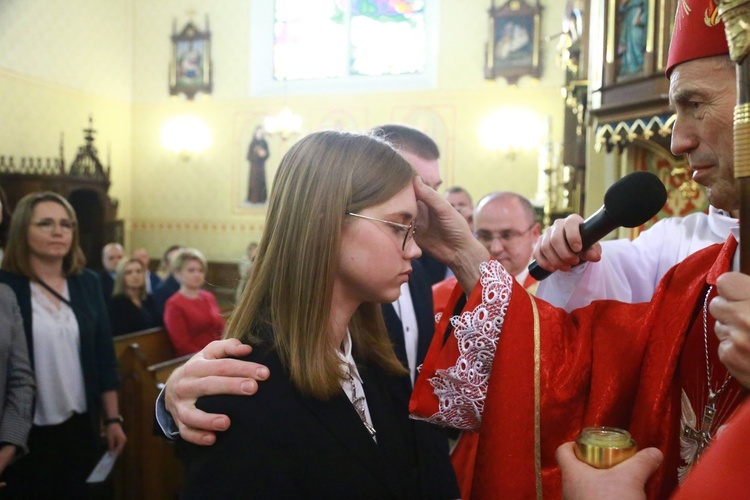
<point>698,32</point>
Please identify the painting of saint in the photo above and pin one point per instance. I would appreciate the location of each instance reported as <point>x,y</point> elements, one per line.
<point>513,43</point>
<point>257,154</point>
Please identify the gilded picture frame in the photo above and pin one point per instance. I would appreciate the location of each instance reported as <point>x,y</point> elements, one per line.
<point>190,70</point>
<point>513,47</point>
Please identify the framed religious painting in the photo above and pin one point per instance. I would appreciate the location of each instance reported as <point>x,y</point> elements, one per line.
<point>190,68</point>
<point>513,46</point>
<point>633,30</point>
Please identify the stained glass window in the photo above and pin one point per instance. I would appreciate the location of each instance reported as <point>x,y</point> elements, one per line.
<point>323,39</point>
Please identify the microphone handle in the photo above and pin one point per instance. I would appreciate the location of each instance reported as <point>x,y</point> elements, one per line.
<point>592,230</point>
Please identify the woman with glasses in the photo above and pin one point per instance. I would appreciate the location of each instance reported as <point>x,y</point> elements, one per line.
<point>131,308</point>
<point>337,243</point>
<point>70,344</point>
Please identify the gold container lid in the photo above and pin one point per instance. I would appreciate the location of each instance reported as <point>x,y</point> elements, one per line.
<point>604,447</point>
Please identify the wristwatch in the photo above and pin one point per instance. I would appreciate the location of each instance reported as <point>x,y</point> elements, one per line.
<point>114,420</point>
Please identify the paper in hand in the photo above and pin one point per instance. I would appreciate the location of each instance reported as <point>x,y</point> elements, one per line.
<point>103,468</point>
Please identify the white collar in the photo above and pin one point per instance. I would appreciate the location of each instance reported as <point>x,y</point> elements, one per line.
<point>345,354</point>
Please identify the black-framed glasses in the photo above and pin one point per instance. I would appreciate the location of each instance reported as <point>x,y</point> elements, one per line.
<point>506,235</point>
<point>409,229</point>
<point>48,225</point>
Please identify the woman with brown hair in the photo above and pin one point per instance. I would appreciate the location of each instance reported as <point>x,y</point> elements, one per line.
<point>70,345</point>
<point>337,243</point>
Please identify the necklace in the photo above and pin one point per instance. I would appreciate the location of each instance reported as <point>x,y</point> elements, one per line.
<point>703,436</point>
<point>359,402</point>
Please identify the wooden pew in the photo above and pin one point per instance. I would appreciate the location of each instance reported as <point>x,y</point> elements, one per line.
<point>150,467</point>
<point>154,342</point>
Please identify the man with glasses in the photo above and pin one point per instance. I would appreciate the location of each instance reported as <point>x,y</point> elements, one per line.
<point>505,223</point>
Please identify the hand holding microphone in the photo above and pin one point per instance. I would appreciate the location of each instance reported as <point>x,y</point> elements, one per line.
<point>629,202</point>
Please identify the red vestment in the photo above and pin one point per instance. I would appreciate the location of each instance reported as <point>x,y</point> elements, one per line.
<point>609,364</point>
<point>442,291</point>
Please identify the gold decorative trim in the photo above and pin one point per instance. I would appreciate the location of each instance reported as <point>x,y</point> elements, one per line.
<point>537,399</point>
<point>650,28</point>
<point>195,227</point>
<point>663,36</point>
<point>611,27</point>
<point>742,140</point>
<point>735,14</point>
<point>630,131</point>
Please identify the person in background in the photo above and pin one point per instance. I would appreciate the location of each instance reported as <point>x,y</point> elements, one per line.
<point>328,424</point>
<point>192,316</point>
<point>71,350</point>
<point>165,267</point>
<point>169,284</point>
<point>152,279</point>
<point>16,382</point>
<point>423,154</point>
<point>505,223</point>
<point>460,199</point>
<point>243,267</point>
<point>131,308</point>
<point>111,255</point>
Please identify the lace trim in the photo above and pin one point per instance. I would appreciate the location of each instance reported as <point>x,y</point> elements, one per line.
<point>461,389</point>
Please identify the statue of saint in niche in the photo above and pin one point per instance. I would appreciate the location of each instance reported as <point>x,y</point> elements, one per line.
<point>632,43</point>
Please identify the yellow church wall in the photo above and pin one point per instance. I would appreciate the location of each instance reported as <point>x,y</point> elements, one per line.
<point>171,195</point>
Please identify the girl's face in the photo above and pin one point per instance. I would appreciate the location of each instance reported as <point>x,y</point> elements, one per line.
<point>192,275</point>
<point>372,265</point>
<point>50,233</point>
<point>133,275</point>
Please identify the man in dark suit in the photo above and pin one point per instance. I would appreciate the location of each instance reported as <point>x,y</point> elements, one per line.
<point>152,280</point>
<point>169,286</point>
<point>111,256</point>
<point>423,154</point>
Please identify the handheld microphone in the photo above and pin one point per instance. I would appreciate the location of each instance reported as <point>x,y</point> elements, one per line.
<point>629,202</point>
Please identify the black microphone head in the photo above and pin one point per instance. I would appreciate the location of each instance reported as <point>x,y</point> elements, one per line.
<point>635,198</point>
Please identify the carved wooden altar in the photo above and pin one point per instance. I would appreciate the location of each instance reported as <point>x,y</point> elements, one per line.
<point>618,93</point>
<point>85,184</point>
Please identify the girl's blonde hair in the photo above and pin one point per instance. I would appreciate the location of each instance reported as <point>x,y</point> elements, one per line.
<point>321,178</point>
<point>119,286</point>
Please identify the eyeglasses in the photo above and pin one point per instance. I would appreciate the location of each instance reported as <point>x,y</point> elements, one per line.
<point>409,229</point>
<point>505,236</point>
<point>48,225</point>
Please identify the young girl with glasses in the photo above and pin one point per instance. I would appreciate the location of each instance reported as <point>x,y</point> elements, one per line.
<point>325,424</point>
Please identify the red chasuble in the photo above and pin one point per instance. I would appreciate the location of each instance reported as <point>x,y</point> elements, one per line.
<point>527,376</point>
